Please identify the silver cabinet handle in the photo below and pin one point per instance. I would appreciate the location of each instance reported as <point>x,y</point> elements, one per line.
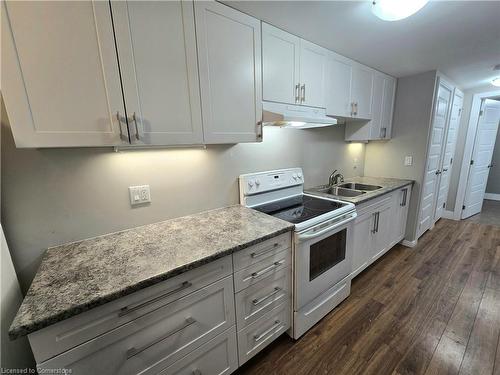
<point>405,194</point>
<point>378,220</point>
<point>374,229</point>
<point>303,92</point>
<point>133,351</point>
<point>258,301</point>
<point>356,108</point>
<point>259,130</point>
<point>122,119</point>
<point>266,270</point>
<point>297,93</point>
<point>265,251</point>
<point>267,331</point>
<point>134,118</point>
<point>127,310</point>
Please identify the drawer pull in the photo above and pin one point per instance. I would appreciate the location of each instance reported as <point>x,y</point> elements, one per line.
<point>258,301</point>
<point>133,351</point>
<point>265,251</point>
<point>266,270</point>
<point>126,310</point>
<point>267,331</point>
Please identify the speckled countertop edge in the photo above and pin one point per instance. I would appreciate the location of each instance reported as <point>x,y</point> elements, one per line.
<point>388,185</point>
<point>233,228</point>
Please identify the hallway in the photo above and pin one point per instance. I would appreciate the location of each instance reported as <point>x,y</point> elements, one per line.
<point>490,214</point>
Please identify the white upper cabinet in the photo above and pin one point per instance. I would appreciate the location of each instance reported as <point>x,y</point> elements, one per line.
<point>313,63</point>
<point>156,46</point>
<point>280,60</point>
<point>229,53</point>
<point>338,87</point>
<point>60,78</point>
<point>382,106</point>
<point>387,107</point>
<point>294,70</point>
<point>362,91</point>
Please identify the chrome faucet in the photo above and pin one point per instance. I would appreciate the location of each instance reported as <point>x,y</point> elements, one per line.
<point>335,178</point>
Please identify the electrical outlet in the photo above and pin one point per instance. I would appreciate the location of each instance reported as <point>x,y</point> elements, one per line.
<point>139,195</point>
<point>408,161</point>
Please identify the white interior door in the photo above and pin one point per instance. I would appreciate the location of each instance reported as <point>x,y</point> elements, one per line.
<point>157,49</point>
<point>449,153</point>
<point>484,144</point>
<point>432,171</point>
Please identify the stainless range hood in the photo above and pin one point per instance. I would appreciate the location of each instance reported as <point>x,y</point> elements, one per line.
<point>295,116</point>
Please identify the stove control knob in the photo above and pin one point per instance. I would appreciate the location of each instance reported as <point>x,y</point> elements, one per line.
<point>300,176</point>
<point>257,182</point>
<point>294,176</point>
<point>250,183</point>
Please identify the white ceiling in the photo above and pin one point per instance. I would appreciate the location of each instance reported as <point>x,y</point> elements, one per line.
<point>459,38</point>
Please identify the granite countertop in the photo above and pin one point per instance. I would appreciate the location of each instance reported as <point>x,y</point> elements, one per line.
<point>78,276</point>
<point>388,185</point>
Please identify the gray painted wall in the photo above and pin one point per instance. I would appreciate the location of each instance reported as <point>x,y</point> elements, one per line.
<point>411,122</point>
<point>13,354</point>
<point>53,196</point>
<point>493,186</point>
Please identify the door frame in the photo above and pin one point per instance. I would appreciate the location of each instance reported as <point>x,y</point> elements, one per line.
<point>470,140</point>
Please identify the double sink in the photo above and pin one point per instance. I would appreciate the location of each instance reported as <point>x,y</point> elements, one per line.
<point>348,190</point>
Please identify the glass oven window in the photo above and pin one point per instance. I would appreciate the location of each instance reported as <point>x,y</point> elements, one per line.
<point>327,253</point>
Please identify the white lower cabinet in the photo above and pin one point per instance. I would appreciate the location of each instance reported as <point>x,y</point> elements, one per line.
<point>380,225</point>
<point>217,357</point>
<point>255,337</point>
<point>188,324</point>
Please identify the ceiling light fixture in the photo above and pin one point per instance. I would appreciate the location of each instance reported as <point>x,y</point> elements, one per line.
<point>496,82</point>
<point>394,10</point>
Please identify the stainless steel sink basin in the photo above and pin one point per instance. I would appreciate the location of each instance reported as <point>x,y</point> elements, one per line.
<point>362,187</point>
<point>341,192</point>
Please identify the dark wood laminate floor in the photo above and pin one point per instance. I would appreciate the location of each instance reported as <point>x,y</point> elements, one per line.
<point>433,309</point>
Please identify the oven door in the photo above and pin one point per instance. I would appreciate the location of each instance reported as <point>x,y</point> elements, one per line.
<point>323,257</point>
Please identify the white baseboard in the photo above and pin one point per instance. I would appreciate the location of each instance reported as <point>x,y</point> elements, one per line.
<point>409,243</point>
<point>491,196</point>
<point>449,215</point>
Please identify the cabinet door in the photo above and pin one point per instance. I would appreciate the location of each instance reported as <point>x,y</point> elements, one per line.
<point>338,88</point>
<point>384,228</point>
<point>387,107</point>
<point>229,58</point>
<point>60,78</point>
<point>402,204</point>
<point>157,49</point>
<point>362,90</point>
<point>313,61</point>
<point>280,65</point>
<point>362,242</point>
<point>377,104</point>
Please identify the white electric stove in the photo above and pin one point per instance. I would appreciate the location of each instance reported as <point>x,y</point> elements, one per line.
<point>322,259</point>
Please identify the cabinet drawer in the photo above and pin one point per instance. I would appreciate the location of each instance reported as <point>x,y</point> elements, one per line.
<point>155,340</point>
<point>260,298</point>
<point>262,332</point>
<point>72,332</point>
<point>261,270</point>
<point>373,205</point>
<point>218,356</point>
<point>256,253</point>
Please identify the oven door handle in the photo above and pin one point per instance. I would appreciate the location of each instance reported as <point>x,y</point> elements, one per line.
<point>336,224</point>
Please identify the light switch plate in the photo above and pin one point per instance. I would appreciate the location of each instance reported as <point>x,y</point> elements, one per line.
<point>139,195</point>
<point>408,161</point>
